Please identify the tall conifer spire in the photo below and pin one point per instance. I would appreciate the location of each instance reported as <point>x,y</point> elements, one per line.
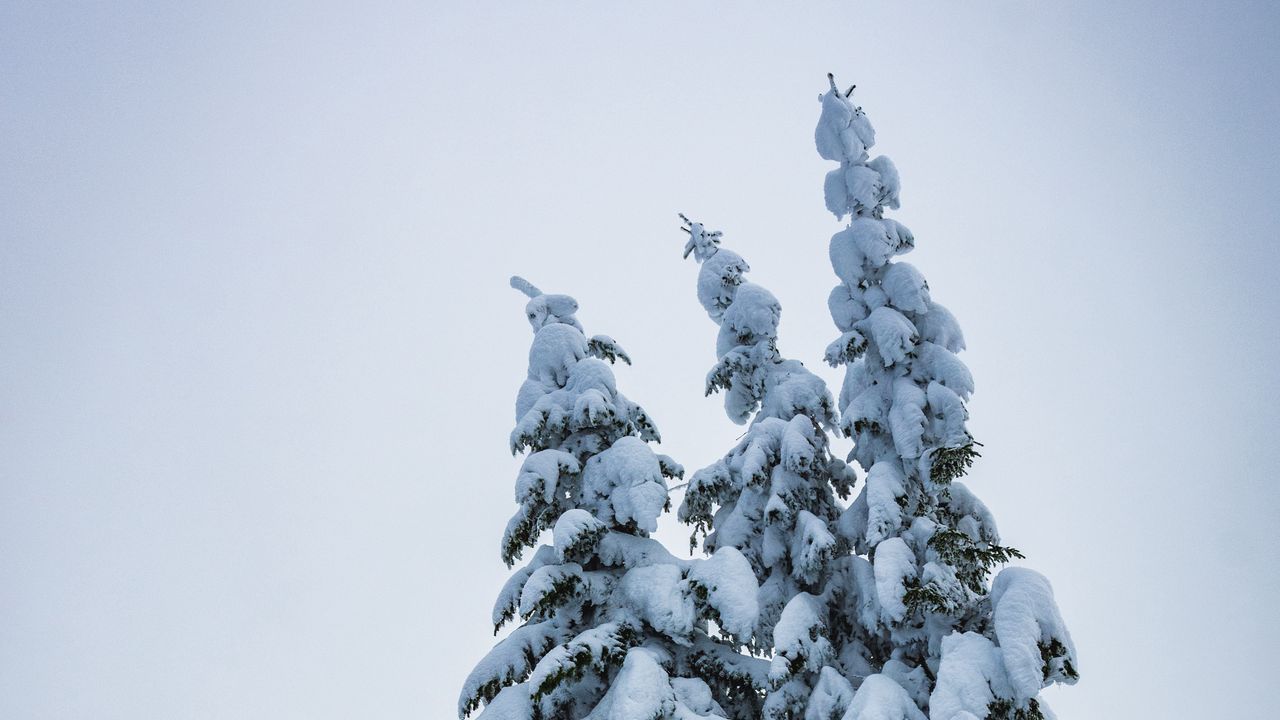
<point>942,636</point>
<point>612,626</point>
<point>773,496</point>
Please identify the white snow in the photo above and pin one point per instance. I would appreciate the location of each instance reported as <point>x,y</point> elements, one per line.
<point>792,390</point>
<point>894,563</point>
<point>830,697</point>
<point>847,259</point>
<point>940,326</point>
<point>718,281</point>
<point>703,243</point>
<point>889,180</point>
<point>543,580</point>
<point>835,139</point>
<point>555,350</point>
<point>885,485</point>
<point>800,635</point>
<point>964,504</point>
<point>593,375</point>
<point>835,193</point>
<point>863,594</point>
<point>508,602</point>
<point>857,378</point>
<point>949,415</point>
<point>1025,617</point>
<point>880,698</point>
<point>543,309</point>
<point>811,544</point>
<point>512,703</point>
<point>861,126</point>
<point>641,691</point>
<point>540,474</point>
<point>877,240</point>
<point>660,595</point>
<point>547,310</point>
<point>845,305</point>
<point>906,287</point>
<point>594,644</point>
<point>797,448</point>
<point>628,475</point>
<point>731,589</point>
<point>846,348</point>
<point>510,660</point>
<point>941,578</point>
<point>893,334</point>
<point>912,679</point>
<point>572,528</point>
<point>906,418</point>
<point>753,315</point>
<point>531,390</point>
<point>869,406</point>
<point>938,364</point>
<point>607,349</point>
<point>864,188</point>
<point>694,700</point>
<point>970,676</point>
<point>752,458</point>
<point>624,550</point>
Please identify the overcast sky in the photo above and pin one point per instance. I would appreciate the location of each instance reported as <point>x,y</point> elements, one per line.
<point>258,357</point>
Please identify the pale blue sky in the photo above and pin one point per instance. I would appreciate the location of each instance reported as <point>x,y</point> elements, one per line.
<point>259,357</point>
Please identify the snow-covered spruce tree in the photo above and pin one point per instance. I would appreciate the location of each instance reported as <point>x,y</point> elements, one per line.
<point>773,496</point>
<point>940,637</point>
<point>612,626</point>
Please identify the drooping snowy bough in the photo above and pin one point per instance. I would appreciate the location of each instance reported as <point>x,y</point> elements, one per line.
<point>936,633</point>
<point>612,626</point>
<point>773,496</point>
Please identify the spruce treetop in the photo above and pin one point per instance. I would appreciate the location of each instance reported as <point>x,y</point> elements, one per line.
<point>774,495</point>
<point>939,632</point>
<point>611,625</point>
